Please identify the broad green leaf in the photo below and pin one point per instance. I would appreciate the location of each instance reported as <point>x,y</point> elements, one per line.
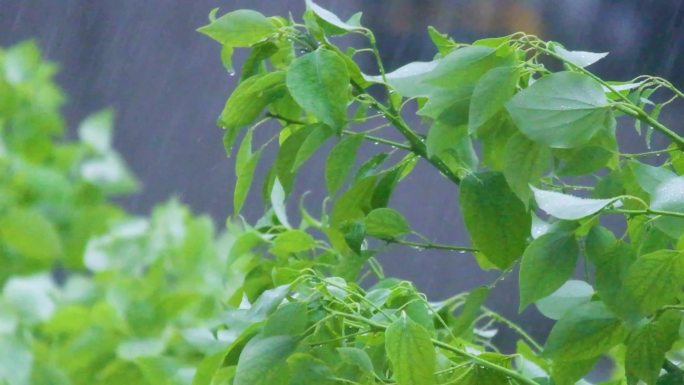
<point>612,260</point>
<point>578,58</point>
<point>289,320</point>
<point>582,161</point>
<point>569,207</point>
<point>492,91</point>
<point>655,279</point>
<point>496,219</point>
<point>319,83</point>
<point>407,80</point>
<point>442,41</point>
<point>410,350</point>
<point>562,110</point>
<point>287,156</point>
<point>30,234</point>
<point>465,66</point>
<point>453,80</point>
<point>305,369</point>
<point>524,162</point>
<point>292,241</point>
<point>471,310</point>
<point>263,358</point>
<point>494,136</point>
<point>584,333</point>
<point>669,196</point>
<point>570,372</point>
<point>340,161</point>
<point>386,223</point>
<point>548,262</point>
<point>332,23</point>
<point>313,141</point>
<point>646,347</point>
<point>240,28</point>
<point>452,145</point>
<point>250,98</point>
<point>357,357</point>
<point>354,203</point>
<point>649,177</point>
<point>245,164</point>
<point>573,293</point>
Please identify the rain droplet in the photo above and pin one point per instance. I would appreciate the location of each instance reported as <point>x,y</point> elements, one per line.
<point>231,73</point>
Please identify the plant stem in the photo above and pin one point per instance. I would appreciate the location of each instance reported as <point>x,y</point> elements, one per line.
<point>513,326</point>
<point>648,212</point>
<point>377,139</point>
<point>416,142</point>
<point>436,246</point>
<point>443,345</point>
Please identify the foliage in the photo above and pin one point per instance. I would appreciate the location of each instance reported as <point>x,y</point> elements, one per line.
<point>93,295</point>
<point>529,136</point>
<point>90,294</point>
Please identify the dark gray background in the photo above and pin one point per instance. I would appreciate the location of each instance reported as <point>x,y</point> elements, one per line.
<point>166,83</point>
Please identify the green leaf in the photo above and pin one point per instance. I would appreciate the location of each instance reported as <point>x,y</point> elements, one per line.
<point>570,372</point>
<point>386,223</point>
<point>292,241</point>
<point>356,357</point>
<point>31,234</point>
<point>409,349</point>
<point>262,359</point>
<point>289,320</point>
<point>319,83</point>
<point>313,141</point>
<point>547,263</point>
<point>354,203</point>
<point>524,162</point>
<point>245,164</point>
<point>287,156</point>
<point>561,110</point>
<point>306,369</point>
<point>582,161</point>
<point>646,348</point>
<point>496,219</point>
<point>649,177</point>
<point>569,207</point>
<point>331,22</point>
<point>407,79</point>
<point>578,58</point>
<point>584,333</point>
<point>655,279</point>
<point>452,145</point>
<point>669,196</point>
<point>250,98</point>
<point>492,91</point>
<point>573,293</point>
<point>471,310</point>
<point>340,161</point>
<point>442,41</point>
<point>240,28</point>
<point>453,80</point>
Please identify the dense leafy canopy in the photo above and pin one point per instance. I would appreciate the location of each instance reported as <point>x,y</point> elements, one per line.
<point>104,297</point>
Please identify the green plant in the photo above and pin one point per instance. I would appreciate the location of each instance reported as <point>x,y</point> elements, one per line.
<point>547,171</point>
<point>91,294</point>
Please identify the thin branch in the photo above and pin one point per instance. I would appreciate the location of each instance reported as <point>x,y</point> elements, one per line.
<point>435,246</point>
